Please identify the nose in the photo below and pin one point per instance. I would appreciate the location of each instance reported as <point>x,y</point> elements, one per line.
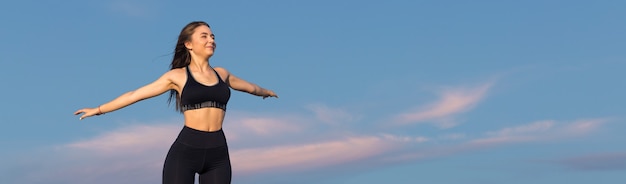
<point>212,42</point>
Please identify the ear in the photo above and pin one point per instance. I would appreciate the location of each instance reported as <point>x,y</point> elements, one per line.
<point>188,45</point>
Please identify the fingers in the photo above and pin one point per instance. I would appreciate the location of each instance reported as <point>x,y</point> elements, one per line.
<point>84,116</point>
<point>79,111</point>
<point>272,95</point>
<point>84,113</point>
<point>269,93</point>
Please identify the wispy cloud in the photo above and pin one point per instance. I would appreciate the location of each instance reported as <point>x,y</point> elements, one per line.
<point>539,131</point>
<point>407,139</point>
<point>282,143</point>
<point>129,140</point>
<point>311,155</point>
<point>585,126</point>
<point>546,130</point>
<point>139,150</point>
<point>140,144</point>
<point>265,126</point>
<point>135,153</point>
<point>452,102</point>
<point>540,126</point>
<point>130,154</point>
<point>123,150</point>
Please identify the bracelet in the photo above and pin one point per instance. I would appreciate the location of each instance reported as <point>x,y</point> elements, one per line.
<point>99,111</point>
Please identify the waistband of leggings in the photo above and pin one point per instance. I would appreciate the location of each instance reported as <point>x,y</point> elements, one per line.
<point>201,139</point>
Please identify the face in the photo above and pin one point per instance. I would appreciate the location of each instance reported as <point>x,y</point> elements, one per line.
<point>202,42</point>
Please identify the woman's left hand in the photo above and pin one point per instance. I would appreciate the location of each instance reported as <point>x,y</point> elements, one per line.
<point>269,93</point>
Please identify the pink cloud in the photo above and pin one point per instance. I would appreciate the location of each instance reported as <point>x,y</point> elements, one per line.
<point>539,126</point>
<point>491,141</point>
<point>139,150</point>
<point>538,131</point>
<point>546,130</point>
<point>242,125</point>
<point>144,146</point>
<point>130,140</point>
<point>452,102</point>
<point>130,154</point>
<point>585,126</point>
<point>408,139</point>
<point>268,126</point>
<point>306,156</point>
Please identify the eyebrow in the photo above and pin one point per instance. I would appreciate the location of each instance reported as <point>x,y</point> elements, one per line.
<point>207,34</point>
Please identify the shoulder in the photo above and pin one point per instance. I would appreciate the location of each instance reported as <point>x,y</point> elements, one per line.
<point>220,69</point>
<point>175,73</point>
<point>222,72</point>
<point>176,76</point>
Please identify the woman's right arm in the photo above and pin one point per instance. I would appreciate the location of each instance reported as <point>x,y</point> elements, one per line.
<point>160,86</point>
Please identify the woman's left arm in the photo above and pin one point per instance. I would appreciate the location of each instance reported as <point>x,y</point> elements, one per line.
<point>248,87</point>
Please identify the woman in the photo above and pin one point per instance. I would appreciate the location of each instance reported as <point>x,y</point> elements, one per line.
<point>201,93</point>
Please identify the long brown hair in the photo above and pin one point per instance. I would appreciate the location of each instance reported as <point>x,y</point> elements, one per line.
<point>181,56</point>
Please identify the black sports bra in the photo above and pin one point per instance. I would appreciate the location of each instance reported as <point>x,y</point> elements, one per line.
<point>196,95</point>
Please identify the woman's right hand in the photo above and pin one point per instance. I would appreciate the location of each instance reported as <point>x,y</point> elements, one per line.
<point>87,112</point>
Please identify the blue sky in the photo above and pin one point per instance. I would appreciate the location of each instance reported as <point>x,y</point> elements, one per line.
<point>394,91</point>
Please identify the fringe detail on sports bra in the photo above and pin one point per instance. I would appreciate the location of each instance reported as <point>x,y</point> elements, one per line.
<point>203,105</point>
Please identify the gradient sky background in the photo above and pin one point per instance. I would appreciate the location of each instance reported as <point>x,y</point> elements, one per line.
<point>396,91</point>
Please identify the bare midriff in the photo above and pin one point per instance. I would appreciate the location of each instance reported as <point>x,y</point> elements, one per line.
<point>205,119</point>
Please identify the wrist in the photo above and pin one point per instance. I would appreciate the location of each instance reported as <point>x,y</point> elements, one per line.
<point>259,92</point>
<point>265,92</point>
<point>99,111</point>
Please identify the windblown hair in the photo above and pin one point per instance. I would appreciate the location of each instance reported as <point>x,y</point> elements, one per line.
<point>182,58</point>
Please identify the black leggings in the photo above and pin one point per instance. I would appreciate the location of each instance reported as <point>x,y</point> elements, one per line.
<point>195,151</point>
